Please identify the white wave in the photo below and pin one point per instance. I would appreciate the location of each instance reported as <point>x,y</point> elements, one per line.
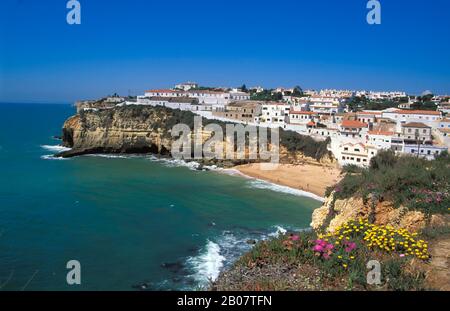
<point>208,264</point>
<point>262,184</point>
<point>170,162</point>
<point>108,156</point>
<point>52,157</point>
<point>279,231</point>
<point>225,250</point>
<point>55,148</point>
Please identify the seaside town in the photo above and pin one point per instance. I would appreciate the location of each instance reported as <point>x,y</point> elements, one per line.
<point>357,124</point>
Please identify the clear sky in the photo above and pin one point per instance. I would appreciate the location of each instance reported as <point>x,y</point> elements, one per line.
<point>129,46</point>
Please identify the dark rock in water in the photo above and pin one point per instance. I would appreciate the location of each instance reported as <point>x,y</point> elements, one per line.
<point>173,267</point>
<point>177,280</point>
<point>251,241</point>
<point>193,249</point>
<point>57,137</point>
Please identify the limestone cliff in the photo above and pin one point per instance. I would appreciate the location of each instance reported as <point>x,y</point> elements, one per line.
<point>146,129</point>
<point>335,212</point>
<point>118,130</point>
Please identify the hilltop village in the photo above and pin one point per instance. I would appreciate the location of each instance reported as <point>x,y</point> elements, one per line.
<point>357,124</point>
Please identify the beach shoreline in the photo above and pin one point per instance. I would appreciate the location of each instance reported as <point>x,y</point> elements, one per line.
<point>310,178</point>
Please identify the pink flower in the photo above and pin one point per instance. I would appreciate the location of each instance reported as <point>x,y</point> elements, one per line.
<point>402,255</point>
<point>318,248</point>
<point>350,246</point>
<point>329,247</point>
<point>295,237</point>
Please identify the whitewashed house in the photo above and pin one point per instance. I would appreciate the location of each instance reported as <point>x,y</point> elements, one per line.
<point>273,114</point>
<point>428,117</point>
<point>355,153</point>
<point>186,86</point>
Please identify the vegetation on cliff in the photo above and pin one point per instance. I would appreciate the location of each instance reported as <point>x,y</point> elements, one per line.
<point>335,261</point>
<point>413,182</point>
<point>393,194</point>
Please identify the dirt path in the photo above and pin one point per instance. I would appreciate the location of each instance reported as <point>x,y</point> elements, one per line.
<point>438,275</point>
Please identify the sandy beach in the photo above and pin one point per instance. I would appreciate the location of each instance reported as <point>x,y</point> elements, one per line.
<point>306,177</point>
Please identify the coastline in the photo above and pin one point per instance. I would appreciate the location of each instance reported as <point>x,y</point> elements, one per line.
<point>308,178</point>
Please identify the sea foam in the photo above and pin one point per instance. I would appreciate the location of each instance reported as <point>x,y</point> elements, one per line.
<point>208,264</point>
<point>261,184</point>
<point>55,148</point>
<point>221,252</point>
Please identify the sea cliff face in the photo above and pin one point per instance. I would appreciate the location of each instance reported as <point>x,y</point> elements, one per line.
<point>335,213</point>
<point>118,130</point>
<point>146,129</point>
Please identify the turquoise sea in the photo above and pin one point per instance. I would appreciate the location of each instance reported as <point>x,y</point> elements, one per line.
<point>132,222</point>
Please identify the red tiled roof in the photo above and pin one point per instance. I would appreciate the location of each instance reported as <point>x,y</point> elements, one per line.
<point>163,91</point>
<point>384,133</point>
<point>301,112</point>
<point>353,124</point>
<point>369,112</point>
<point>416,124</point>
<point>425,112</point>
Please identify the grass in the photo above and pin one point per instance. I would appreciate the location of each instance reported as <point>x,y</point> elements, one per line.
<point>405,180</point>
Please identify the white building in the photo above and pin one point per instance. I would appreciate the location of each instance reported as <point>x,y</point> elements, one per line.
<point>353,129</point>
<point>326,105</point>
<point>355,153</point>
<point>428,152</point>
<point>368,116</point>
<point>239,96</point>
<point>444,123</point>
<point>444,107</point>
<point>302,117</point>
<point>273,114</point>
<point>205,97</point>
<point>182,103</point>
<point>380,139</point>
<point>428,117</point>
<point>186,86</point>
<point>385,95</point>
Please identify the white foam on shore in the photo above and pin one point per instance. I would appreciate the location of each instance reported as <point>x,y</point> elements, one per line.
<point>221,253</point>
<point>262,184</point>
<point>55,148</point>
<point>109,156</point>
<point>279,231</point>
<point>208,264</point>
<point>52,157</point>
<point>170,162</point>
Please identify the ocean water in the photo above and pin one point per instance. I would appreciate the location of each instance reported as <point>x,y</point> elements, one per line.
<point>129,220</point>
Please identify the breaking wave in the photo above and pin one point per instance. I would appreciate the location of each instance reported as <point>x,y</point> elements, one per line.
<point>55,148</point>
<point>220,253</point>
<point>261,184</point>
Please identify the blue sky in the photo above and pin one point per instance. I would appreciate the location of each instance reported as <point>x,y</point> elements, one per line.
<point>133,45</point>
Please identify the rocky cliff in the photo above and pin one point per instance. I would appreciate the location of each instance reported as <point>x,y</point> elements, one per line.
<point>336,212</point>
<point>118,130</point>
<point>146,129</point>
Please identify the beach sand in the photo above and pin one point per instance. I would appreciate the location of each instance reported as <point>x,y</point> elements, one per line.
<point>307,177</point>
